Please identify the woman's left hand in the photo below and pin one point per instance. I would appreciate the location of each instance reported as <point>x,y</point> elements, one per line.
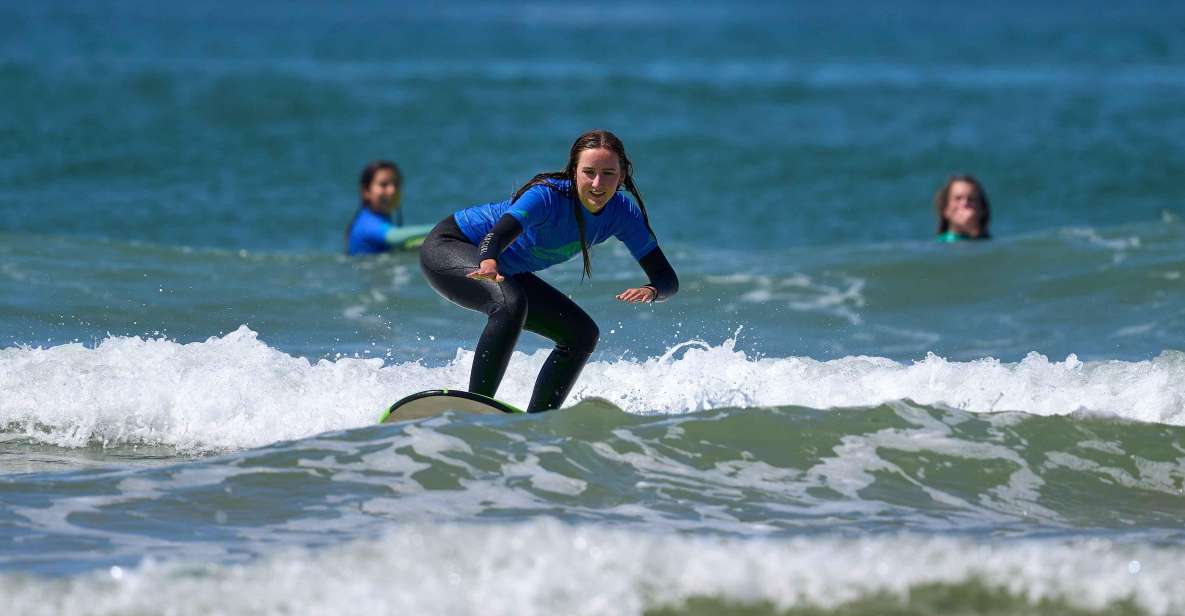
<point>637,295</point>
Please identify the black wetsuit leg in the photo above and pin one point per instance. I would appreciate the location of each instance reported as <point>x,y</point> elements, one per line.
<point>522,300</point>
<point>551,314</point>
<point>446,257</point>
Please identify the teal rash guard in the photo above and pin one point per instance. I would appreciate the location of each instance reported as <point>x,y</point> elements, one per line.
<point>951,236</point>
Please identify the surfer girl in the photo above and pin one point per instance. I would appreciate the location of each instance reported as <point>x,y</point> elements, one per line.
<point>962,209</point>
<point>483,258</point>
<point>377,225</point>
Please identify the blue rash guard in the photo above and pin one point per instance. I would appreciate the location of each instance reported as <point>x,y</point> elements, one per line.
<point>368,232</point>
<point>550,234</point>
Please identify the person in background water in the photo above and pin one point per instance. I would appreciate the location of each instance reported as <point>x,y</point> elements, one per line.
<point>483,258</point>
<point>372,229</point>
<point>963,210</point>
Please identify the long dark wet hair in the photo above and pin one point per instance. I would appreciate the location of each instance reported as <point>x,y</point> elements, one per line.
<point>365,178</point>
<point>592,140</point>
<point>943,194</point>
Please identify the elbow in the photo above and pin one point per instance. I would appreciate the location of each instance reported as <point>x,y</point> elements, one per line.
<point>666,288</point>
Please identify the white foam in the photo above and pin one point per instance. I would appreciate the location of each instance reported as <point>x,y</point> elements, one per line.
<point>227,392</point>
<point>1093,237</point>
<point>235,391</point>
<point>544,567</point>
<point>716,376</point>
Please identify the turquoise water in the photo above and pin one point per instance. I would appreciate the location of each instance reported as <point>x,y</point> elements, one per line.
<point>836,413</point>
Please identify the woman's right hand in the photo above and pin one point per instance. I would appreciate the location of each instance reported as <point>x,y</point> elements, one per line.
<point>964,216</point>
<point>486,270</point>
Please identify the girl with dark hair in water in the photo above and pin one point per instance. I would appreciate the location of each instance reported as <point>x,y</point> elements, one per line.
<point>483,258</point>
<point>377,225</point>
<point>963,210</point>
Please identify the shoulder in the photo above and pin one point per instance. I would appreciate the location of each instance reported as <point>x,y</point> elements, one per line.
<point>548,195</point>
<point>538,204</point>
<point>623,207</point>
<point>365,218</point>
<point>562,187</point>
<point>548,191</point>
<point>554,191</point>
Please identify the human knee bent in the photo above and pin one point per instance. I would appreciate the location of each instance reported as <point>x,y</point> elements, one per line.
<point>583,338</point>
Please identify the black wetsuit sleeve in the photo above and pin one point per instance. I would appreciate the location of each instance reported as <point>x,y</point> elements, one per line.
<point>662,276</point>
<point>505,231</point>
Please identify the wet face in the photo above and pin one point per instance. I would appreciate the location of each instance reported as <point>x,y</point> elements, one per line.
<point>598,174</point>
<point>383,193</point>
<point>963,208</point>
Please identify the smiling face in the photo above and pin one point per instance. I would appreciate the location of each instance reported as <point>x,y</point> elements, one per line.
<point>382,194</point>
<point>964,208</point>
<point>598,174</point>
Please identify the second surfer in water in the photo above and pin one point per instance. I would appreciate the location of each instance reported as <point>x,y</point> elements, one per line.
<point>482,258</point>
<point>963,210</point>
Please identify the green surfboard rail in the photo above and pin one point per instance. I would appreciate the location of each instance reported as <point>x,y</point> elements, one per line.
<point>462,396</point>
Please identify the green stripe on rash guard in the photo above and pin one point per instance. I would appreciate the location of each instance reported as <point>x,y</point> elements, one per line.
<point>951,236</point>
<point>559,254</point>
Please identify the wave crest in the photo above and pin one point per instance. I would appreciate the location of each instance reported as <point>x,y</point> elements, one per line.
<point>234,391</point>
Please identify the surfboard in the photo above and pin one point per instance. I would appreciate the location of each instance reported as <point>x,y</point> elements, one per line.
<point>410,237</point>
<point>436,401</point>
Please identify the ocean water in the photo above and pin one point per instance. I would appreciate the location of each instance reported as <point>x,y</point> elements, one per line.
<point>835,415</point>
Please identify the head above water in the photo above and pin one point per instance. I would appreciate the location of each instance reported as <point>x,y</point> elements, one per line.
<point>380,185</point>
<point>597,168</point>
<point>962,206</point>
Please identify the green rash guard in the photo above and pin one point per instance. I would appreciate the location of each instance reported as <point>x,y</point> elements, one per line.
<point>951,236</point>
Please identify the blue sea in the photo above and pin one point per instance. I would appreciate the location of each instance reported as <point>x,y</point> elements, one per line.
<point>835,415</point>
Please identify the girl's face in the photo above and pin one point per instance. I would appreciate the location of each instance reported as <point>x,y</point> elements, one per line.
<point>598,174</point>
<point>383,193</point>
<point>963,208</point>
